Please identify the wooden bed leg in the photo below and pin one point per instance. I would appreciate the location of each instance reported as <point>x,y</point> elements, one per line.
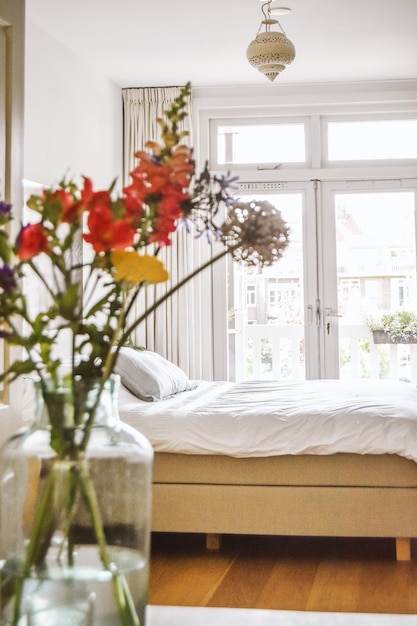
<point>213,541</point>
<point>403,548</point>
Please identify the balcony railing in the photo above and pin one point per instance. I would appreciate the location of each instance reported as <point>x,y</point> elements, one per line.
<point>273,351</point>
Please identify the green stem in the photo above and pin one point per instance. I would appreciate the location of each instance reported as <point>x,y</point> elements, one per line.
<point>90,421</point>
<point>161,300</point>
<point>40,538</point>
<point>173,290</point>
<point>121,590</point>
<point>58,497</point>
<point>42,278</point>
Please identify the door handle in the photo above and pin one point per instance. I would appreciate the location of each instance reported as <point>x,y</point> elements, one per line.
<point>318,313</point>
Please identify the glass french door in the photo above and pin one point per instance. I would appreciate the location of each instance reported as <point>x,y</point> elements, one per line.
<point>351,257</point>
<point>272,331</point>
<point>368,269</point>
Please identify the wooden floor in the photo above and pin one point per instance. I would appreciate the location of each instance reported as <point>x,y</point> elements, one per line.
<point>287,573</point>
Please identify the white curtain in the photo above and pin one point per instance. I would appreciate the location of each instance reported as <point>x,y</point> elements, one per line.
<point>176,329</point>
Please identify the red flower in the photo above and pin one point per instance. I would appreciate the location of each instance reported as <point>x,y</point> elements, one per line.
<point>133,201</point>
<point>162,229</point>
<point>159,185</point>
<point>182,166</point>
<point>99,199</point>
<point>61,197</point>
<point>77,208</point>
<point>170,203</point>
<point>106,232</point>
<point>150,174</point>
<point>135,193</point>
<point>32,240</point>
<point>60,205</point>
<point>87,190</point>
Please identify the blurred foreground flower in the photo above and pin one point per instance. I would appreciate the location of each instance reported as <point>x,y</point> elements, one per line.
<point>92,293</point>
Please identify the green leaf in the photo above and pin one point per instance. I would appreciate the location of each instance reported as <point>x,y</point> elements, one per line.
<point>18,368</point>
<point>68,303</point>
<point>5,247</point>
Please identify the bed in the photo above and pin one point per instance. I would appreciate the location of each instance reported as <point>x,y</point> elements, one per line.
<point>322,457</point>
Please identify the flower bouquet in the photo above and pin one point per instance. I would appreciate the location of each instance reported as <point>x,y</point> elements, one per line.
<point>100,252</point>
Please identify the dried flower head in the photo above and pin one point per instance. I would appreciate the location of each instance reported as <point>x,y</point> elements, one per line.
<point>255,233</point>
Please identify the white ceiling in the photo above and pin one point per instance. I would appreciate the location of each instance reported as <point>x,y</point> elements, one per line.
<point>166,42</point>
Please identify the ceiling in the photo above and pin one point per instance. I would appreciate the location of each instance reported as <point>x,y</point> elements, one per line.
<point>162,42</point>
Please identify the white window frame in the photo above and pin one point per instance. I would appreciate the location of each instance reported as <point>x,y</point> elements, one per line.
<point>327,119</point>
<point>279,120</point>
<point>317,103</point>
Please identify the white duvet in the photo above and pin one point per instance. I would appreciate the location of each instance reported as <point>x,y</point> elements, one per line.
<point>258,418</point>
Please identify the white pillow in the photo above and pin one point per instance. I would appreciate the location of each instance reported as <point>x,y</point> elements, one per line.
<point>149,376</point>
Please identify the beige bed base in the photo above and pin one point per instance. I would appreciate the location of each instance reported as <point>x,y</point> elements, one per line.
<point>345,495</point>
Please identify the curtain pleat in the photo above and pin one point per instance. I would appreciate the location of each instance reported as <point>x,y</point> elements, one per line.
<point>175,329</point>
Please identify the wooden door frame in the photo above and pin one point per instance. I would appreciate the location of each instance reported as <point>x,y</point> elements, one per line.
<point>12,31</point>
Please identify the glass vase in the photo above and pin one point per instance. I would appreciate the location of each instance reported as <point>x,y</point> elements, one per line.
<point>75,506</point>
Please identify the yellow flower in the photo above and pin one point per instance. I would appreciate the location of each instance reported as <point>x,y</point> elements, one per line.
<point>135,268</point>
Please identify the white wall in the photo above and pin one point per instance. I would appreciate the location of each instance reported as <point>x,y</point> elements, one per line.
<point>73,116</point>
<point>72,127</point>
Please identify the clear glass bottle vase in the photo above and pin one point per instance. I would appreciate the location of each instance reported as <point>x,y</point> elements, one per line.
<point>75,506</point>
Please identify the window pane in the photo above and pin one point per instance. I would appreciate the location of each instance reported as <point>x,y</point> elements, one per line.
<point>266,308</point>
<point>251,295</point>
<point>371,140</point>
<point>376,273</point>
<point>274,143</point>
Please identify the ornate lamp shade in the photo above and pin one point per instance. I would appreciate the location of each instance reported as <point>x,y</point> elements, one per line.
<point>270,52</point>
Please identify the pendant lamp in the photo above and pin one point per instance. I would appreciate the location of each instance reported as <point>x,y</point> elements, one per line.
<point>271,51</point>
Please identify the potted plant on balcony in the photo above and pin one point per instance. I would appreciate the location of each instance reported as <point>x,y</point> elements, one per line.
<point>397,327</point>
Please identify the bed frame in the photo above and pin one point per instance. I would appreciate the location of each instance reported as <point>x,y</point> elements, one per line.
<point>345,495</point>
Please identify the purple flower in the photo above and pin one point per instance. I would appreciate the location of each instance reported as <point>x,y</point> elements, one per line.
<point>5,208</point>
<point>8,280</point>
<point>5,212</point>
